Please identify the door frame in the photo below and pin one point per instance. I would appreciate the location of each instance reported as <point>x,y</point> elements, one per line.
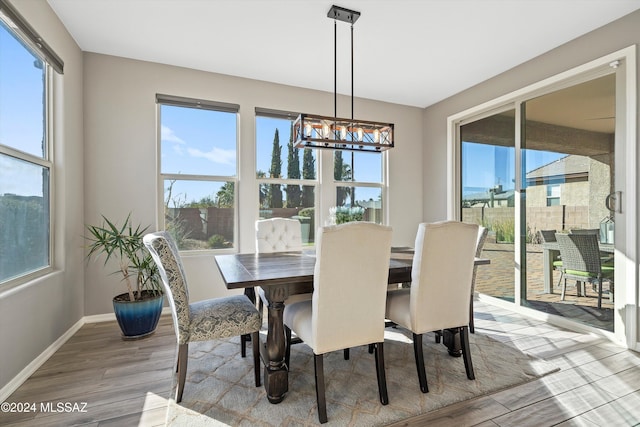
<point>623,64</point>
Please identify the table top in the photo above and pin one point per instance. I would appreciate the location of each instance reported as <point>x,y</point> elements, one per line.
<point>288,268</point>
<point>604,247</point>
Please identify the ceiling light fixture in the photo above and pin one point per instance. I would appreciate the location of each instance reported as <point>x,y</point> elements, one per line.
<point>313,131</point>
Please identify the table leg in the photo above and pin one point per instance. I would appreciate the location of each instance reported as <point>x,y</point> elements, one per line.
<point>547,265</point>
<point>276,374</point>
<point>451,339</point>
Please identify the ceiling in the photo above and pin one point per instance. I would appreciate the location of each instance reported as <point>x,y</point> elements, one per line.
<point>408,52</point>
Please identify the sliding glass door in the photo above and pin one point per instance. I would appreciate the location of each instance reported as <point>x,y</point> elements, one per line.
<point>488,196</point>
<point>568,162</point>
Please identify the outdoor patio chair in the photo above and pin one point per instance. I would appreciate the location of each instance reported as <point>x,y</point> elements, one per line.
<point>581,262</point>
<point>203,320</point>
<point>440,293</point>
<point>348,302</point>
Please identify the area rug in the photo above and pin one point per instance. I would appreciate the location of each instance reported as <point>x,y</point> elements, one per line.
<point>220,390</point>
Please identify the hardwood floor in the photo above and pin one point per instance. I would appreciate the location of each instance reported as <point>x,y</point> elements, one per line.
<point>127,383</point>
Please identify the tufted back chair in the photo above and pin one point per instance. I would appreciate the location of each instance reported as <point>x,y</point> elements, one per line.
<point>278,235</point>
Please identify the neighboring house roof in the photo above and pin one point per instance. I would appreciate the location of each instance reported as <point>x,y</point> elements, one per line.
<point>370,204</point>
<point>566,166</point>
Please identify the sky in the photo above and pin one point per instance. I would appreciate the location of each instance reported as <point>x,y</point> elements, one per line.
<point>21,127</point>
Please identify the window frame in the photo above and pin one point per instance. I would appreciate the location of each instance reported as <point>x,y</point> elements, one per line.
<point>198,104</point>
<point>18,27</point>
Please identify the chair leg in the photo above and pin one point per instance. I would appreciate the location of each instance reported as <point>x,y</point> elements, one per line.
<point>183,357</point>
<point>382,378</point>
<point>438,336</point>
<point>346,354</point>
<point>564,289</point>
<point>255,341</point>
<point>466,353</point>
<point>472,328</point>
<point>322,404</point>
<point>244,339</point>
<point>287,349</point>
<point>600,293</point>
<point>419,356</point>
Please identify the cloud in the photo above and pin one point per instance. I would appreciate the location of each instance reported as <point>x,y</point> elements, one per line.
<point>167,134</point>
<point>216,155</point>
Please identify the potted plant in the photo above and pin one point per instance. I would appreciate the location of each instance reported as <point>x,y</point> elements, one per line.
<point>138,309</point>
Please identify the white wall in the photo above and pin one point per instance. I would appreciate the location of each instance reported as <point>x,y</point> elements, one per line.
<point>34,315</point>
<point>120,156</point>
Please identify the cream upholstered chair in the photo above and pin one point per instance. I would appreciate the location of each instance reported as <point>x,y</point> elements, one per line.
<point>482,237</point>
<point>203,320</point>
<point>349,293</point>
<point>275,235</point>
<point>441,279</point>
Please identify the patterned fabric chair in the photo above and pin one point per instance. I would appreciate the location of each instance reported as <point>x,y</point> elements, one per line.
<point>441,280</point>
<point>203,320</point>
<point>347,306</point>
<point>581,262</point>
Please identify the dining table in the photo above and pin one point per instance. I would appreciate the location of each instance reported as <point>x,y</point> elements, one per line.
<point>280,275</point>
<point>551,251</point>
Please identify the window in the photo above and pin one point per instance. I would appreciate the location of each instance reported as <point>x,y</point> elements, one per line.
<point>359,183</point>
<point>553,195</point>
<point>198,171</point>
<point>25,161</point>
<point>287,176</point>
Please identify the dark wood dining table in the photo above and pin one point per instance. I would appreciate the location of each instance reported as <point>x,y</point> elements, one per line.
<point>280,275</point>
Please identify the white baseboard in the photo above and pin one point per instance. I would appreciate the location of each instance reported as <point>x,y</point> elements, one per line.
<point>32,367</point>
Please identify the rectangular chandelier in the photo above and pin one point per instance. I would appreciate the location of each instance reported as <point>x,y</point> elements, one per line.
<point>312,131</point>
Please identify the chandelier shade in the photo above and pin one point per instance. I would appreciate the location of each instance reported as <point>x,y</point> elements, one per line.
<point>313,131</point>
<point>334,133</point>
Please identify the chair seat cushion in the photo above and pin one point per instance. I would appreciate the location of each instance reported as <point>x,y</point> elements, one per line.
<point>397,309</point>
<point>222,318</point>
<point>557,264</point>
<point>607,273</point>
<point>297,317</point>
<point>290,299</point>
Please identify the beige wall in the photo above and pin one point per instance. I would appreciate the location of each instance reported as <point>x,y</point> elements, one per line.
<point>36,314</point>
<point>120,156</point>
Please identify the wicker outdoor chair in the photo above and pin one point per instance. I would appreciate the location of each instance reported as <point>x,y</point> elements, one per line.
<point>581,262</point>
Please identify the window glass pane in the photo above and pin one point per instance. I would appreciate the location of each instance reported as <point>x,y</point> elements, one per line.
<point>198,142</point>
<point>22,100</point>
<point>200,214</point>
<point>24,217</point>
<point>365,204</point>
<point>275,155</point>
<point>357,166</point>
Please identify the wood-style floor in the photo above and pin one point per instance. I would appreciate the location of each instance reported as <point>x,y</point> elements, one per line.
<point>127,383</point>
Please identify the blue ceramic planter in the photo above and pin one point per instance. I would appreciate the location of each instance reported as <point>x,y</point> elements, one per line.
<point>138,319</point>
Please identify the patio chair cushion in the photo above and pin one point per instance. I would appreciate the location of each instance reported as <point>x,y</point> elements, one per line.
<point>607,272</point>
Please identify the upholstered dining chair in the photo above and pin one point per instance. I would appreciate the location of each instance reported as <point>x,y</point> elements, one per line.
<point>482,237</point>
<point>347,306</point>
<point>440,292</point>
<point>581,262</point>
<point>274,235</point>
<point>203,320</point>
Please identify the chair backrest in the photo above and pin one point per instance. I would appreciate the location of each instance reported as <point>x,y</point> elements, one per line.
<point>441,277</point>
<point>278,235</point>
<point>350,285</point>
<point>593,231</point>
<point>482,237</point>
<point>548,235</point>
<point>579,252</point>
<point>166,256</point>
